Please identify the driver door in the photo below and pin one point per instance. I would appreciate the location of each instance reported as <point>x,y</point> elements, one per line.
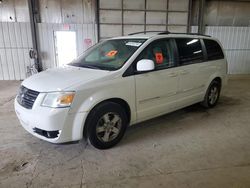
<point>156,90</point>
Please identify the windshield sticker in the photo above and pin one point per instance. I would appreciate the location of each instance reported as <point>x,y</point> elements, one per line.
<point>159,58</point>
<point>136,44</point>
<point>111,53</point>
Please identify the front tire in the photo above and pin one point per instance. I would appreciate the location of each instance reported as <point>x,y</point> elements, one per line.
<point>212,94</point>
<point>106,125</point>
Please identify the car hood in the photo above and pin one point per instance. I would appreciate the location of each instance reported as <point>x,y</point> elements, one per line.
<point>59,79</point>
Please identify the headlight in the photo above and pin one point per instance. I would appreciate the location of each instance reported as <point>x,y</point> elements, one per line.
<point>58,99</point>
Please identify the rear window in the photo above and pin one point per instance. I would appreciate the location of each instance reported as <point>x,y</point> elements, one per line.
<point>190,50</point>
<point>214,50</point>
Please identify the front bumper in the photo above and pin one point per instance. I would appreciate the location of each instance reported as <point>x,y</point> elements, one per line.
<point>68,125</point>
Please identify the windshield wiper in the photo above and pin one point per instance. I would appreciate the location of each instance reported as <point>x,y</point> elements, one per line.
<point>93,66</point>
<point>108,68</point>
<point>85,65</point>
<point>89,66</point>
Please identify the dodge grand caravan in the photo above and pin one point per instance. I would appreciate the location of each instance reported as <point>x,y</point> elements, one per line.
<point>120,82</point>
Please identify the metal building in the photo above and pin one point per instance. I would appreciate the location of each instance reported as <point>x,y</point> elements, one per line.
<point>45,25</point>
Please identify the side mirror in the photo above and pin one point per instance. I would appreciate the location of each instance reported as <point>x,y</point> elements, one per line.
<point>145,65</point>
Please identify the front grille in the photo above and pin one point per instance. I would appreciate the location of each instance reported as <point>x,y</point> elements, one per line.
<point>26,97</point>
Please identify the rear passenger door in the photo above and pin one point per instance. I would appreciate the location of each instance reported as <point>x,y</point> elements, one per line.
<point>191,84</point>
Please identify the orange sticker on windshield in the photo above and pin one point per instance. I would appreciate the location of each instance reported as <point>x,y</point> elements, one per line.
<point>111,53</point>
<point>159,58</point>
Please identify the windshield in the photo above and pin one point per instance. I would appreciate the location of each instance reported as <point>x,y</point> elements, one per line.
<point>109,54</point>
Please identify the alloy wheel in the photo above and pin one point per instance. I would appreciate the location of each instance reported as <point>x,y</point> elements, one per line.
<point>108,127</point>
<point>213,95</point>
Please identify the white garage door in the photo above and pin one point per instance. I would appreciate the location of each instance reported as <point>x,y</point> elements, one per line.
<point>120,17</point>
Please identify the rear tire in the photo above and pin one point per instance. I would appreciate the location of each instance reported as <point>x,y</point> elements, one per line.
<point>212,94</point>
<point>106,125</point>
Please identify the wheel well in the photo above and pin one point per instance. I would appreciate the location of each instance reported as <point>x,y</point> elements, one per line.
<point>124,104</point>
<point>218,79</point>
<point>119,101</point>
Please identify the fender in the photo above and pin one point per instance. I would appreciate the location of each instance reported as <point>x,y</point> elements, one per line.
<point>88,97</point>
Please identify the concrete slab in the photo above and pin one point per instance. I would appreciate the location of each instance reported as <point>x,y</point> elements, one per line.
<point>193,147</point>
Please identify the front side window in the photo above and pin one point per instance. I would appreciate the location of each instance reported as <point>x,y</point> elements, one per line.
<point>108,55</point>
<point>189,50</point>
<point>214,50</point>
<point>161,52</point>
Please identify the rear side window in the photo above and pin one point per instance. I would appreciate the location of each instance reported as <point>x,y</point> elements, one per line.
<point>214,50</point>
<point>190,50</point>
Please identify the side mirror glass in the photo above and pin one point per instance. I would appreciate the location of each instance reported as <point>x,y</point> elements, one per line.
<point>145,65</point>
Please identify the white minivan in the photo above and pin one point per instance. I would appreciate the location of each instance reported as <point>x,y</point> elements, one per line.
<point>120,82</point>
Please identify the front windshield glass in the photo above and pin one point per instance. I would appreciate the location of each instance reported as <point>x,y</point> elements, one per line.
<point>109,54</point>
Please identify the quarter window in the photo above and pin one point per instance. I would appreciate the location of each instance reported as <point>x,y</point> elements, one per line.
<point>190,50</point>
<point>214,50</point>
<point>161,52</point>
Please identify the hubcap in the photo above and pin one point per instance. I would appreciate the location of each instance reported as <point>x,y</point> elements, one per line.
<point>214,93</point>
<point>108,127</point>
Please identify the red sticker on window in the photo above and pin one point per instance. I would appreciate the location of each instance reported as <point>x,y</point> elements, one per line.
<point>159,58</point>
<point>111,53</point>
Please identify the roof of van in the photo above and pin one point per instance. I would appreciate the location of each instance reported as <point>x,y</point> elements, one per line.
<point>152,34</point>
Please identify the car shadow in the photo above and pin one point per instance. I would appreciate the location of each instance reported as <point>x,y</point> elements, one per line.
<point>184,119</point>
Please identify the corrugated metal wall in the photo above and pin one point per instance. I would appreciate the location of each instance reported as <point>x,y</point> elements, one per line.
<point>15,42</point>
<point>236,43</point>
<point>15,39</point>
<point>56,15</point>
<point>117,17</point>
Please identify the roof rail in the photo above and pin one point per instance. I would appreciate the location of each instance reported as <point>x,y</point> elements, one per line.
<point>166,33</point>
<point>144,32</point>
<point>163,33</point>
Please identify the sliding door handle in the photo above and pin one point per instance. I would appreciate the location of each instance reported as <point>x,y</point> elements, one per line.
<point>173,74</point>
<point>183,72</point>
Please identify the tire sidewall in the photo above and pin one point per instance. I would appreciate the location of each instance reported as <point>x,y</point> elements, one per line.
<point>95,116</point>
<point>213,84</point>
